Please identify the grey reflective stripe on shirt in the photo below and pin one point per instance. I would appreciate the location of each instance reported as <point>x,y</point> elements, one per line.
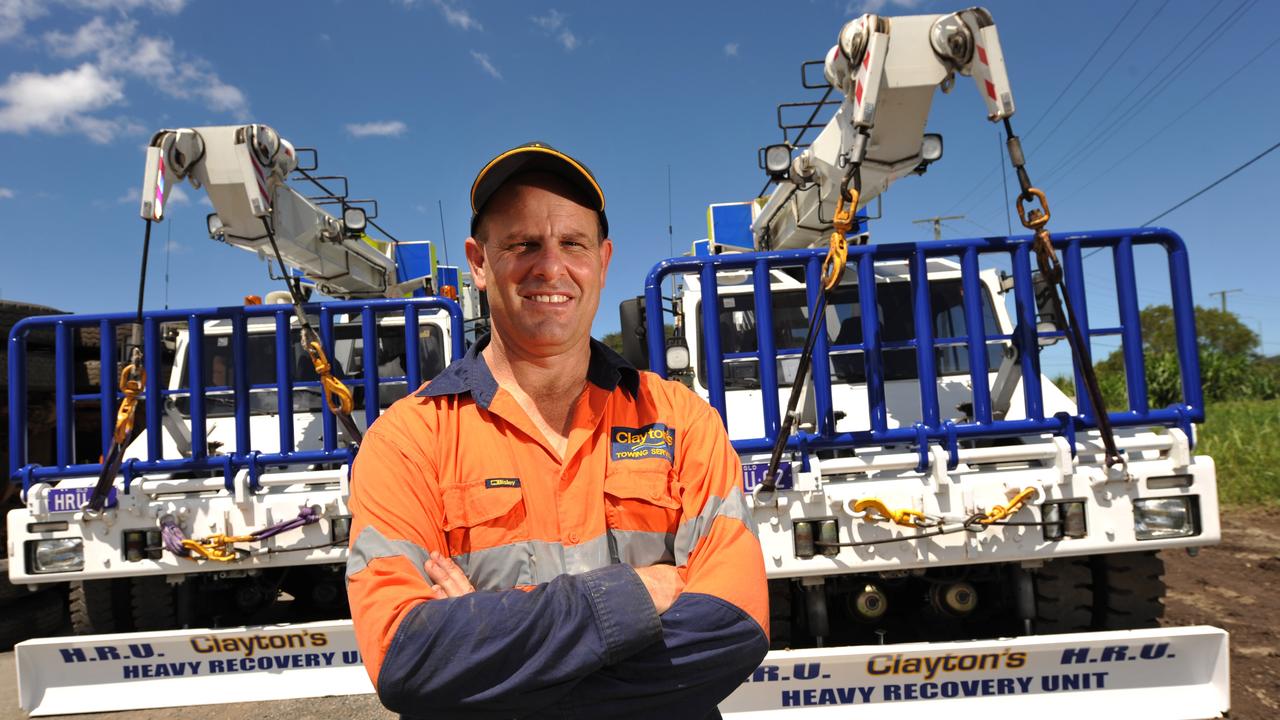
<point>691,531</point>
<point>533,562</point>
<point>371,545</point>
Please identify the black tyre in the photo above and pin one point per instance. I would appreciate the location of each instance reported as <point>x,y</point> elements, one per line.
<point>1129,591</point>
<point>8,591</point>
<point>779,614</point>
<point>154,603</point>
<point>42,614</point>
<point>100,606</point>
<point>1064,596</point>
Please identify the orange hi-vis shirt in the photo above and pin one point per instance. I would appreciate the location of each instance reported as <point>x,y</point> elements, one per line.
<point>560,624</point>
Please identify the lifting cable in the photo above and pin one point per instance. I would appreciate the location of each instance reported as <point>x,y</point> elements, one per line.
<point>1050,268</point>
<point>336,394</point>
<point>132,380</point>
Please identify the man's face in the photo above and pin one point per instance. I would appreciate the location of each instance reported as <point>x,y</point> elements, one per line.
<point>542,263</point>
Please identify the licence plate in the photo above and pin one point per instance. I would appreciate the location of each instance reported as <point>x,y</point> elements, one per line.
<point>753,475</point>
<point>72,499</point>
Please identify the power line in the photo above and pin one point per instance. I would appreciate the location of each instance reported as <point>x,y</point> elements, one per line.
<point>1179,116</point>
<point>1214,184</point>
<point>1201,191</point>
<point>1071,161</point>
<point>1104,75</point>
<point>1077,76</point>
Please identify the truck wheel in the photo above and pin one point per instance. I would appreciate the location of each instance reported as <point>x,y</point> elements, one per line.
<point>779,614</point>
<point>1129,590</point>
<point>154,603</point>
<point>100,606</point>
<point>43,614</point>
<point>8,591</point>
<point>1064,596</point>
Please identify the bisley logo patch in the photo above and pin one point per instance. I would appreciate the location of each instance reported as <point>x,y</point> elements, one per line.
<point>501,483</point>
<point>651,441</point>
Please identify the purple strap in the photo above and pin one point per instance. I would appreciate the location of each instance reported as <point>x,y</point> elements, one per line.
<point>172,536</point>
<point>306,516</point>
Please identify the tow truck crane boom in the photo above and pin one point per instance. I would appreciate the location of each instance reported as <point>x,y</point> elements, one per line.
<point>243,169</point>
<point>885,69</point>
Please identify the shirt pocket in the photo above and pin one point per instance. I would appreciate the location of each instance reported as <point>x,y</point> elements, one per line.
<point>477,517</point>
<point>640,499</point>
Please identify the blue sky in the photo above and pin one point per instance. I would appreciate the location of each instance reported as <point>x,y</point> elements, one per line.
<point>409,98</point>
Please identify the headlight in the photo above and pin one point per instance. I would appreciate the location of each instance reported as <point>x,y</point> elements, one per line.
<point>57,555</point>
<point>1161,518</point>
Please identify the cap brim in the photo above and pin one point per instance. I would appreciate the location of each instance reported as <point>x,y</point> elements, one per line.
<point>533,158</point>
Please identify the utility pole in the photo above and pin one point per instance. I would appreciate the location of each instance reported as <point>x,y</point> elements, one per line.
<point>937,223</point>
<point>1223,294</point>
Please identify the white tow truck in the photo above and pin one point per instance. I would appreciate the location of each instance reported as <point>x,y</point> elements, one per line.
<point>941,525</point>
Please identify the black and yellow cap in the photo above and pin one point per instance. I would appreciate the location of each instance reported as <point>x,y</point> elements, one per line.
<point>541,157</point>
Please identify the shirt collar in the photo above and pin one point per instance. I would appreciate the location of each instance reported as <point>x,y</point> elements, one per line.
<point>470,374</point>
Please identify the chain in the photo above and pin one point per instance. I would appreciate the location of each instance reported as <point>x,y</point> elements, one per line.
<point>337,394</point>
<point>833,267</point>
<point>1036,219</point>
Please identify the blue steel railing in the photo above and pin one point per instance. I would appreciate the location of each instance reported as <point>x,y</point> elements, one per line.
<point>932,426</point>
<point>244,454</point>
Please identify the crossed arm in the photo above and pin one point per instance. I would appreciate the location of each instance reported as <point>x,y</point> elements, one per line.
<point>616,641</point>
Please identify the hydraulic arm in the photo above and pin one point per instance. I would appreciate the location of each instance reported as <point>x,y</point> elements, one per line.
<point>243,169</point>
<point>886,70</point>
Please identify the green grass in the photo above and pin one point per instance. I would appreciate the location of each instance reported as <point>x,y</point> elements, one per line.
<point>1243,438</point>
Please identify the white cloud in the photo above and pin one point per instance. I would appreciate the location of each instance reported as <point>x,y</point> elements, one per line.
<point>486,64</point>
<point>109,55</point>
<point>178,196</point>
<point>731,49</point>
<point>384,128</point>
<point>456,16</point>
<point>122,51</point>
<point>553,23</point>
<point>6,193</point>
<point>15,14</point>
<point>60,103</point>
<point>205,201</point>
<point>130,196</point>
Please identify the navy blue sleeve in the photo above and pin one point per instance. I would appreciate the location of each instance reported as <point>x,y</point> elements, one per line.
<point>709,646</point>
<point>514,652</point>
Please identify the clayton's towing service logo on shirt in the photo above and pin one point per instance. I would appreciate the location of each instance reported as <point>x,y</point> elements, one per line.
<point>651,441</point>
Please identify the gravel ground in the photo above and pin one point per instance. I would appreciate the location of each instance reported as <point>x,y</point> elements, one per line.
<point>1232,586</point>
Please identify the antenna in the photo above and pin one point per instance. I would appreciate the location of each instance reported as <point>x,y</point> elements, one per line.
<point>671,240</point>
<point>444,242</point>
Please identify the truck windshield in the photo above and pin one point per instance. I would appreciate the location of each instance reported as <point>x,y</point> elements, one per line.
<point>347,360</point>
<point>843,325</point>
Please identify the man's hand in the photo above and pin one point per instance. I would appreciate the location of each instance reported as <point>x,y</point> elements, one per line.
<point>663,583</point>
<point>449,582</point>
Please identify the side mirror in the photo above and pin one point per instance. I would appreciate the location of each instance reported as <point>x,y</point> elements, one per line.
<point>635,338</point>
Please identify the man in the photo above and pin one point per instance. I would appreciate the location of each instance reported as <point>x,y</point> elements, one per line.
<point>543,531</point>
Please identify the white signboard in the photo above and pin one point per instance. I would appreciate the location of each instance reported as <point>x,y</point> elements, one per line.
<point>174,668</point>
<point>1162,673</point>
